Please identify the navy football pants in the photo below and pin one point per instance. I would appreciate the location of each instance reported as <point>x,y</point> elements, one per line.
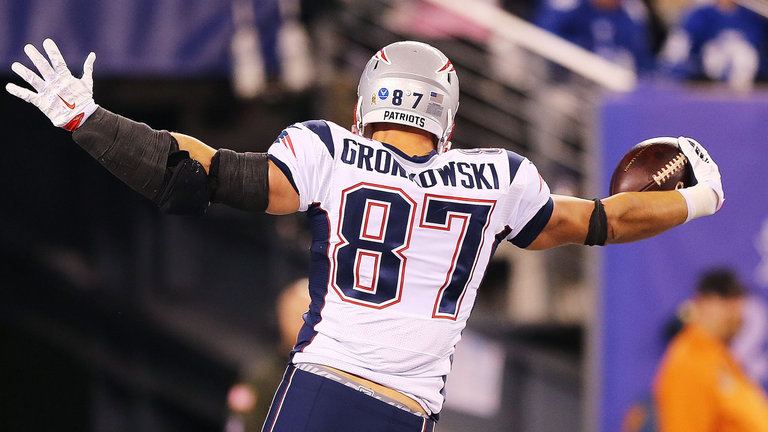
<point>306,402</point>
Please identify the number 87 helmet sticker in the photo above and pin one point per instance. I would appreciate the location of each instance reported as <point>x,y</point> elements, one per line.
<point>414,98</point>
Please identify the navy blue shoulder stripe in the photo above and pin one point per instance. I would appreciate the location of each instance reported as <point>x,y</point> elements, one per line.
<point>322,130</point>
<point>533,228</point>
<point>515,160</point>
<point>284,168</point>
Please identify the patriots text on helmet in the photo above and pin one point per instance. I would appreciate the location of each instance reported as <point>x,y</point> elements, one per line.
<point>409,118</point>
<point>453,174</point>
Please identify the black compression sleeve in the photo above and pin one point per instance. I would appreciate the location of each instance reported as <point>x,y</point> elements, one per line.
<point>132,151</point>
<point>240,180</point>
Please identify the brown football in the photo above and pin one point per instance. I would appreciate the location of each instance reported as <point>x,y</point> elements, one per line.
<point>655,164</point>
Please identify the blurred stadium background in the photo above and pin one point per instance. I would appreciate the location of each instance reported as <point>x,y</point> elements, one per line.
<point>114,317</point>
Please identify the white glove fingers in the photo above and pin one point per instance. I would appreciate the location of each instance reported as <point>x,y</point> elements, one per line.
<point>88,70</point>
<point>57,60</point>
<point>22,93</point>
<point>40,62</point>
<point>66,101</point>
<point>693,150</point>
<point>27,75</point>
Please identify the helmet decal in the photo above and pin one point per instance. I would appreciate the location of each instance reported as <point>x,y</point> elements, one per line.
<point>448,66</point>
<point>382,55</point>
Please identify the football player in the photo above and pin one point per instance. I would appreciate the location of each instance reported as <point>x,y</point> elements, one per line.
<point>403,228</point>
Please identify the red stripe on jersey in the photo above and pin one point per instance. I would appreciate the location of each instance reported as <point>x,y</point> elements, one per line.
<point>288,143</point>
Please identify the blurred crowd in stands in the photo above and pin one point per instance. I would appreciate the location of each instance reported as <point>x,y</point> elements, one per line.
<point>717,40</point>
<point>673,40</point>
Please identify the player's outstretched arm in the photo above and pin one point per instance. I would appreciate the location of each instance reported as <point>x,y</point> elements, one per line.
<point>632,216</point>
<point>178,172</point>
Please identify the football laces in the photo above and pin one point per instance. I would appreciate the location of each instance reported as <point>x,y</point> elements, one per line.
<point>673,166</point>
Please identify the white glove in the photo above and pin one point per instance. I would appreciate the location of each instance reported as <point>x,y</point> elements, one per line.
<point>706,197</point>
<point>64,99</point>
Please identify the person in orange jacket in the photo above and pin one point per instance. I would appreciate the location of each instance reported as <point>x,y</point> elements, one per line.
<point>699,386</point>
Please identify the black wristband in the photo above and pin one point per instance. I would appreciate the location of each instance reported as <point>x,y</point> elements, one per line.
<point>239,180</point>
<point>598,225</point>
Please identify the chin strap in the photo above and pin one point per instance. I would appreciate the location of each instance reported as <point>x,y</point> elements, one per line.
<point>357,126</point>
<point>444,144</point>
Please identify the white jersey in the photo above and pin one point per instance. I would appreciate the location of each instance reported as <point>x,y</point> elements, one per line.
<point>400,246</point>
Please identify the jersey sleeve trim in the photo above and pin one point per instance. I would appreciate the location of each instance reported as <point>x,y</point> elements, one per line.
<point>515,160</point>
<point>323,131</point>
<point>533,228</point>
<point>284,168</point>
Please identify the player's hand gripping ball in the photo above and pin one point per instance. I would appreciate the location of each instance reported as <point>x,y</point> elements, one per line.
<point>656,164</point>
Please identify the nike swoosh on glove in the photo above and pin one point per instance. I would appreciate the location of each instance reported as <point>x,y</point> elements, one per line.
<point>67,101</point>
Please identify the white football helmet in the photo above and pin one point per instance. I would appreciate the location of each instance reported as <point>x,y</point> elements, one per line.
<point>409,83</point>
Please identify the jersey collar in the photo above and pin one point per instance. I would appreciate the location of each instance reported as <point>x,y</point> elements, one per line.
<point>416,159</point>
